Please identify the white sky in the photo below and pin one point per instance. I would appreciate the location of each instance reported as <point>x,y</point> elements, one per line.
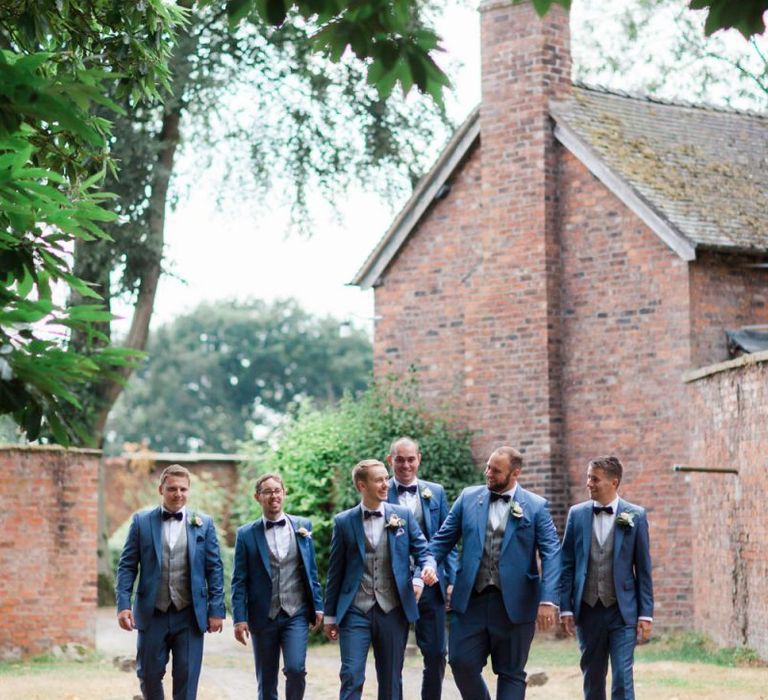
<point>216,254</point>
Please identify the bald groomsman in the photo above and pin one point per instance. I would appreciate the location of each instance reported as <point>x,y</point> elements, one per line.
<point>428,503</point>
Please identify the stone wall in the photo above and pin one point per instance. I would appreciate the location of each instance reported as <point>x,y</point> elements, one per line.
<point>48,526</point>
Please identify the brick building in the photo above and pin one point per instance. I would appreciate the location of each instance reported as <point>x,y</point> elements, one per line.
<point>569,257</point>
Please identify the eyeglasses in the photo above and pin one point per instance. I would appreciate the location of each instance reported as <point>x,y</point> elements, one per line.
<point>270,492</point>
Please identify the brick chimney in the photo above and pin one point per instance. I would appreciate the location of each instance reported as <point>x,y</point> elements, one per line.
<point>512,344</point>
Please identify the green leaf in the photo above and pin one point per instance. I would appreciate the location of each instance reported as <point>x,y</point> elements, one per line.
<point>237,10</point>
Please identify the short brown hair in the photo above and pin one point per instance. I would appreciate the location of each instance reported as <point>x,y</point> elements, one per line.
<point>175,470</point>
<point>360,470</point>
<point>266,477</point>
<point>514,458</point>
<point>610,465</point>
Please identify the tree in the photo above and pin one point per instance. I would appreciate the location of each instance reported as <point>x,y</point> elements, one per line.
<point>659,47</point>
<point>216,376</point>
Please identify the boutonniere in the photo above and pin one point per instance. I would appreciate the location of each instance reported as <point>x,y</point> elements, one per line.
<point>626,518</point>
<point>516,509</point>
<point>426,493</point>
<point>195,520</point>
<point>395,522</point>
<point>304,533</point>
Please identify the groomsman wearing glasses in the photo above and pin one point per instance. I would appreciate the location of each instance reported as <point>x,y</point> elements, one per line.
<point>428,503</point>
<point>276,596</point>
<point>372,594</point>
<point>606,592</point>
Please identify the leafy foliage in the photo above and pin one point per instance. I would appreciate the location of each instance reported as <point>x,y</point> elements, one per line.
<point>318,449</point>
<point>56,63</point>
<point>216,375</point>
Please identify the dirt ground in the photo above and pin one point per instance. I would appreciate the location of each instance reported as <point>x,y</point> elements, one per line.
<point>228,675</point>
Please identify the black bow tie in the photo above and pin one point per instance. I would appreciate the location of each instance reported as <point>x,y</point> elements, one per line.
<point>175,516</point>
<point>275,523</point>
<point>409,489</point>
<point>602,509</point>
<point>367,514</point>
<point>500,496</point>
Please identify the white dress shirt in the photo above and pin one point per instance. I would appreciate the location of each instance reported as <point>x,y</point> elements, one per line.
<point>412,501</point>
<point>498,511</point>
<point>602,523</point>
<point>373,527</point>
<point>278,538</point>
<point>172,527</point>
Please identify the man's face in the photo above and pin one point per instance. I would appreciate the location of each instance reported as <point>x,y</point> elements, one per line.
<point>375,487</point>
<point>405,460</point>
<point>174,490</point>
<point>601,487</point>
<point>270,497</point>
<point>499,475</point>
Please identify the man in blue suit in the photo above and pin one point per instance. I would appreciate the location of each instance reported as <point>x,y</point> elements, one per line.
<point>606,592</point>
<point>499,597</point>
<point>427,502</point>
<point>180,595</point>
<point>372,595</point>
<point>275,592</point>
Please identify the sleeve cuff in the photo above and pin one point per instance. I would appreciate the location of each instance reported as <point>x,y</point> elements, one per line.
<point>418,582</point>
<point>566,613</point>
<point>329,620</point>
<point>647,619</point>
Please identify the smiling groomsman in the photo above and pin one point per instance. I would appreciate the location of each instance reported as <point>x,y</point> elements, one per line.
<point>276,595</point>
<point>500,598</point>
<point>180,595</point>
<point>427,502</point>
<point>606,593</point>
<point>372,595</point>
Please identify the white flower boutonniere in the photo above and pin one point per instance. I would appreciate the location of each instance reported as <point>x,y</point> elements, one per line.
<point>426,493</point>
<point>195,520</point>
<point>304,533</point>
<point>626,518</point>
<point>516,509</point>
<point>395,522</point>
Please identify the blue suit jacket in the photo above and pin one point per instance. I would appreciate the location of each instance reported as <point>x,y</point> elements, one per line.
<point>142,556</point>
<point>631,562</point>
<point>522,587</point>
<point>347,559</point>
<point>252,573</point>
<point>435,510</point>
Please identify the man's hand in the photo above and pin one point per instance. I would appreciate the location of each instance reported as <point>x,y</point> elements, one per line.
<point>331,632</point>
<point>448,595</point>
<point>318,622</point>
<point>215,624</point>
<point>125,620</point>
<point>546,617</point>
<point>241,633</point>
<point>643,631</point>
<point>429,576</point>
<point>568,625</point>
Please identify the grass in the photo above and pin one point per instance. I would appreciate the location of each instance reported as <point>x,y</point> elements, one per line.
<point>693,647</point>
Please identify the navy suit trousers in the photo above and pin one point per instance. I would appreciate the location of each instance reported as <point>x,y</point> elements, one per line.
<point>289,634</point>
<point>602,634</point>
<point>483,629</point>
<point>173,633</point>
<point>430,638</point>
<point>388,633</point>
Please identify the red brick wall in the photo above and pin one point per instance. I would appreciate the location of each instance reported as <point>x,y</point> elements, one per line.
<point>625,335</point>
<point>730,546</point>
<point>421,300</point>
<point>512,333</point>
<point>48,526</point>
<point>727,292</point>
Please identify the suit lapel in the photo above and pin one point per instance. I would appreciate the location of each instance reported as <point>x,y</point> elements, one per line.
<point>618,534</point>
<point>260,537</point>
<point>514,523</point>
<point>392,493</point>
<point>356,516</point>
<point>480,506</point>
<point>156,528</point>
<point>426,511</point>
<point>586,530</point>
<point>191,539</point>
<point>300,541</point>
<point>389,533</point>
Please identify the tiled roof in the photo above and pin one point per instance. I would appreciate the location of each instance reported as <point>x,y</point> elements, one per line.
<point>704,171</point>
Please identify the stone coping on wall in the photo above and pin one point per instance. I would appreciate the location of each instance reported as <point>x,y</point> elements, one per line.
<point>702,372</point>
<point>8,447</point>
<point>182,457</point>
